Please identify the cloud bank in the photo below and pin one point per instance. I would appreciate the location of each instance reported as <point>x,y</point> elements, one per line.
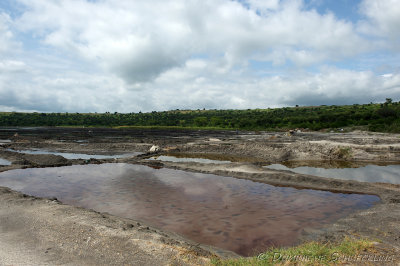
<point>130,56</point>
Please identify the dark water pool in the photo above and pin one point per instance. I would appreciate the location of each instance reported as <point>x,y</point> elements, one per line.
<point>72,156</point>
<point>368,173</point>
<point>234,214</point>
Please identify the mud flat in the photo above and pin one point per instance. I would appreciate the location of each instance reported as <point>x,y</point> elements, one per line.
<point>47,231</point>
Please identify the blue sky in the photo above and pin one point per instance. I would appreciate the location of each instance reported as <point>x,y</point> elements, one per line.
<point>130,56</point>
<point>343,9</point>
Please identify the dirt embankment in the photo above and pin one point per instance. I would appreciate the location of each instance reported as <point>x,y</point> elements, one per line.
<point>49,232</point>
<point>305,146</point>
<point>269,147</point>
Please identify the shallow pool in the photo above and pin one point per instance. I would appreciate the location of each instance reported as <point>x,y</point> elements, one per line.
<point>170,158</point>
<point>72,156</point>
<point>4,162</point>
<point>368,173</point>
<point>210,158</point>
<point>234,214</point>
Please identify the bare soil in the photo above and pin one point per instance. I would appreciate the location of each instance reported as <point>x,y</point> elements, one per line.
<point>45,231</point>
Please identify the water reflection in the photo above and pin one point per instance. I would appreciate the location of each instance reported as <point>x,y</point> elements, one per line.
<point>234,214</point>
<point>4,162</point>
<point>368,173</point>
<point>72,156</point>
<point>185,159</point>
<point>205,158</point>
<point>216,157</point>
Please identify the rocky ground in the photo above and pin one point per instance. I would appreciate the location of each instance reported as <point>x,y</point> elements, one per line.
<point>46,231</point>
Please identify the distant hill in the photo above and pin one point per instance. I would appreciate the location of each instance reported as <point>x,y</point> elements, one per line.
<point>384,117</point>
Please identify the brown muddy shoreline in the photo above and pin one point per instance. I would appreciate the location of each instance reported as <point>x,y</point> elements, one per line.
<point>248,151</point>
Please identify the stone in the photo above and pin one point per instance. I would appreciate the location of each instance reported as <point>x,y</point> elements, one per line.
<point>155,148</point>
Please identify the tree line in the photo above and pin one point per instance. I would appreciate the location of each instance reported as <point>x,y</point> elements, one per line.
<point>383,117</point>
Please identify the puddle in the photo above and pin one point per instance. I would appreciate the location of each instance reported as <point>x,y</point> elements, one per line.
<point>203,158</point>
<point>71,156</point>
<point>185,160</point>
<point>4,141</point>
<point>368,173</point>
<point>4,162</point>
<point>217,157</point>
<point>234,214</point>
<point>331,164</point>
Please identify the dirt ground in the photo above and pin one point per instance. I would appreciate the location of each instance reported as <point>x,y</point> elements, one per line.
<point>45,231</point>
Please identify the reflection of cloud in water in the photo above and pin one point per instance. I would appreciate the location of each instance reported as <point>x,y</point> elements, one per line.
<point>369,173</point>
<point>235,214</point>
<point>72,156</point>
<point>4,162</point>
<point>183,181</point>
<point>188,159</point>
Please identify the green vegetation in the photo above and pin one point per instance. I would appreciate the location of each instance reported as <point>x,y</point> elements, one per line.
<point>344,153</point>
<point>374,117</point>
<point>312,253</point>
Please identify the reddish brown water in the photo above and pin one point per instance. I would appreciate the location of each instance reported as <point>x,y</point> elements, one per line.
<point>234,214</point>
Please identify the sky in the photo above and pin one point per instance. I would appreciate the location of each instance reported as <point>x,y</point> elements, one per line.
<point>155,55</point>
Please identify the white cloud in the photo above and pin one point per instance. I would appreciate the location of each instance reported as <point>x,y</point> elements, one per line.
<point>140,40</point>
<point>383,20</point>
<point>263,4</point>
<point>12,66</point>
<point>7,42</point>
<point>331,86</point>
<point>128,56</point>
<point>197,84</point>
<point>71,91</point>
